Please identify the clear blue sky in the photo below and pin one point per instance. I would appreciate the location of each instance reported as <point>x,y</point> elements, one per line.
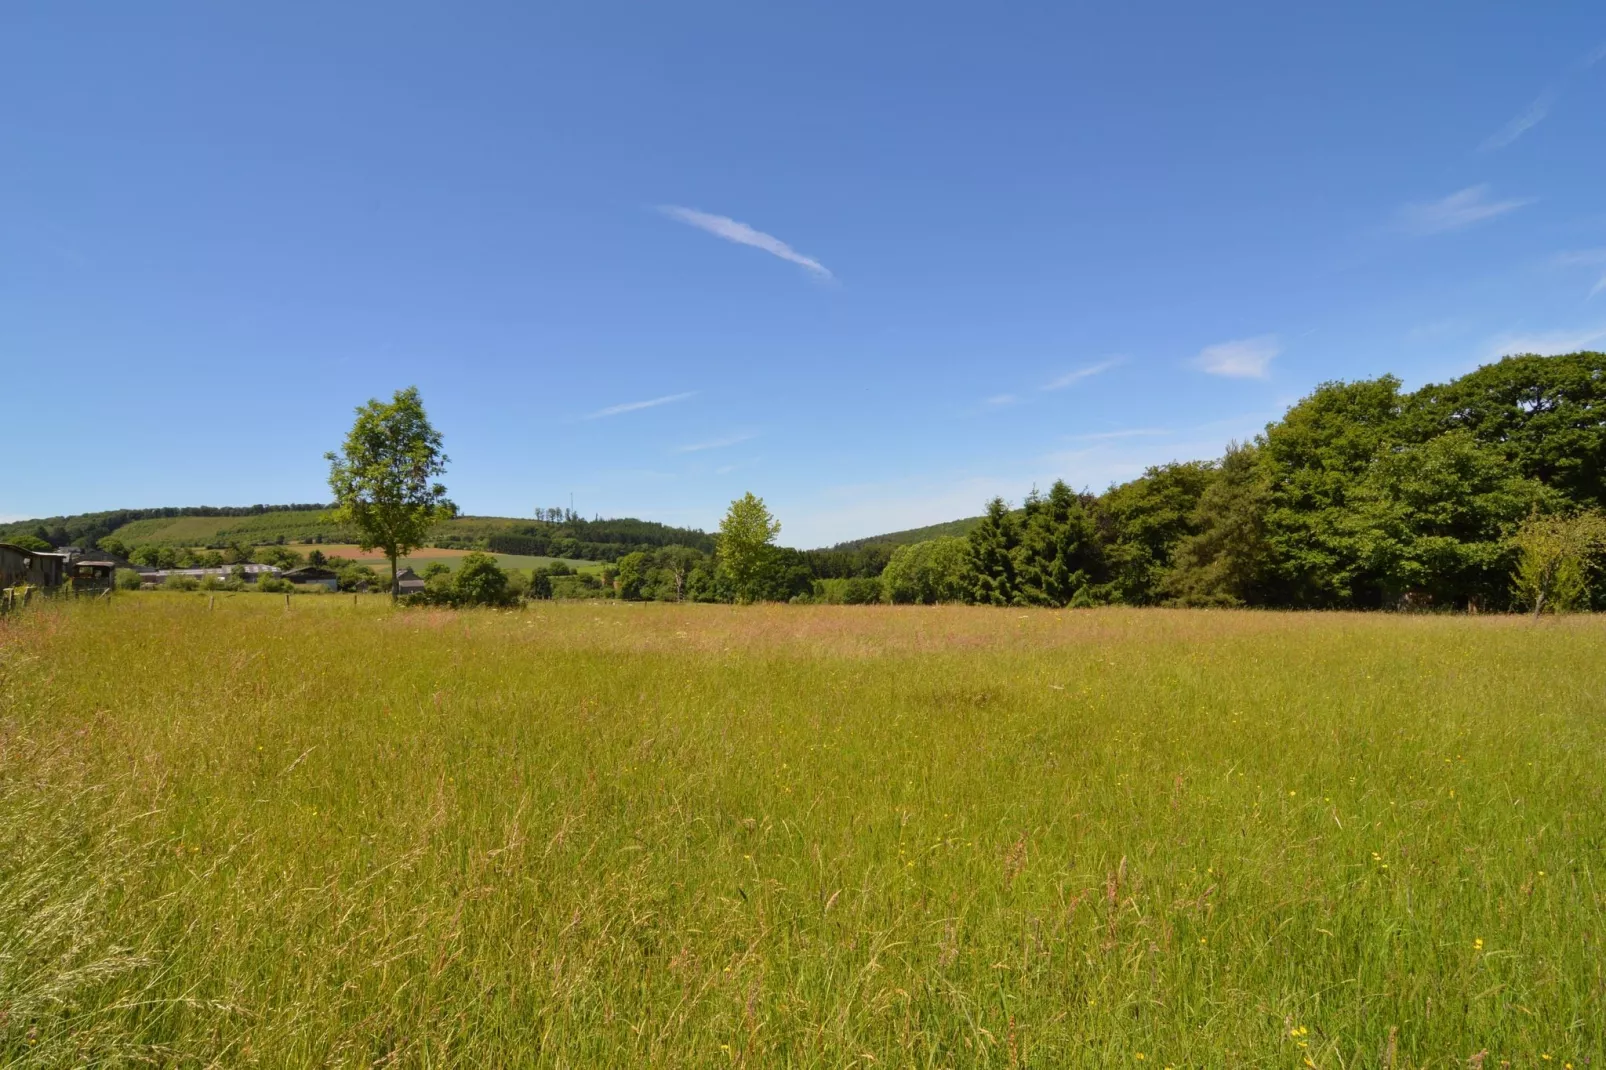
<point>874,262</point>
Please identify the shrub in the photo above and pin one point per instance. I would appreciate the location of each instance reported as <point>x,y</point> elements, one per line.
<point>861,591</point>
<point>180,583</point>
<point>127,579</point>
<point>275,585</point>
<point>481,582</point>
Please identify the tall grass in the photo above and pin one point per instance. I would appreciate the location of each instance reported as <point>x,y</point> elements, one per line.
<point>605,834</point>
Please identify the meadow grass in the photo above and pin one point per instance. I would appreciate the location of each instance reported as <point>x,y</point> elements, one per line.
<point>602,834</point>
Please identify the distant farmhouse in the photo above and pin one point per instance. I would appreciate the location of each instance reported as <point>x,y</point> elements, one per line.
<point>313,574</point>
<point>409,582</point>
<point>249,573</point>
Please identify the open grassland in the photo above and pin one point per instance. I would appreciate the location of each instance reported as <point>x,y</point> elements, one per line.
<point>605,834</point>
<point>290,525</point>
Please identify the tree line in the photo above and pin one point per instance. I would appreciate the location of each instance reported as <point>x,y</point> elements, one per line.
<point>1479,494</point>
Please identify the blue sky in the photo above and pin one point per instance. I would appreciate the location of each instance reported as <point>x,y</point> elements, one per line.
<point>874,262</point>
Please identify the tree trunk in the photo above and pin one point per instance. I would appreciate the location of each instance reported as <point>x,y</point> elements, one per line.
<point>395,577</point>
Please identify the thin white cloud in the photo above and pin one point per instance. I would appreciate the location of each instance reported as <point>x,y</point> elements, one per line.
<point>1532,117</point>
<point>742,234</point>
<point>716,444</point>
<point>1580,257</point>
<point>1071,378</point>
<point>1244,358</point>
<point>998,401</point>
<point>1545,343</point>
<point>636,406</point>
<point>1591,258</point>
<point>1460,209</point>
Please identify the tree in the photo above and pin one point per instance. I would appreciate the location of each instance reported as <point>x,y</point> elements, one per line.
<point>1144,520</point>
<point>631,575</point>
<point>678,563</point>
<point>32,543</point>
<point>315,558</point>
<point>929,572</point>
<point>1547,414</point>
<point>992,556</point>
<point>1227,563</point>
<point>480,581</point>
<point>383,478</point>
<point>1432,521</point>
<point>1554,557</point>
<point>1059,551</point>
<point>746,545</point>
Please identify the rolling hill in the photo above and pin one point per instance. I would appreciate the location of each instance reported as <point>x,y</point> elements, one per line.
<point>217,526</point>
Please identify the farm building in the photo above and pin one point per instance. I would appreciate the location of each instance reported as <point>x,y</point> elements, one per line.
<point>251,573</point>
<point>92,575</point>
<point>323,577</point>
<point>31,567</point>
<point>409,582</point>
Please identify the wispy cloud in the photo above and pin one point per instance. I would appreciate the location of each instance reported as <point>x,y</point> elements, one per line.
<point>1071,378</point>
<point>1540,108</point>
<point>742,234</point>
<point>1545,343</point>
<point>1532,117</point>
<point>998,401</point>
<point>637,406</point>
<point>1244,358</point>
<point>716,443</point>
<point>1460,209</point>
<point>1589,258</point>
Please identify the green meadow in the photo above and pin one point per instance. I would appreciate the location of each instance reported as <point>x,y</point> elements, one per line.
<point>612,834</point>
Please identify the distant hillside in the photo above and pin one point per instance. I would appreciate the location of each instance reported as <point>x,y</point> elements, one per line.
<point>83,529</point>
<point>898,538</point>
<point>209,526</point>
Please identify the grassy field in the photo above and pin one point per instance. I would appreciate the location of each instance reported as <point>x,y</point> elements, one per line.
<point>291,525</point>
<point>606,834</point>
<point>448,557</point>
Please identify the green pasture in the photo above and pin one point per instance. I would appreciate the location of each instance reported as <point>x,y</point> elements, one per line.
<point>610,834</point>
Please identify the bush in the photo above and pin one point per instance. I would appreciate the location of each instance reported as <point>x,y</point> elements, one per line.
<point>481,582</point>
<point>275,585</point>
<point>180,583</point>
<point>127,579</point>
<point>861,591</point>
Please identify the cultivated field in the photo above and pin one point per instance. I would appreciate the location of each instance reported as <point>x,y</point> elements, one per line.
<point>614,835</point>
<point>446,556</point>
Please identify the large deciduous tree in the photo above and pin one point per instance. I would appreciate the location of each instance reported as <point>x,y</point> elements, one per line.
<point>747,545</point>
<point>384,478</point>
